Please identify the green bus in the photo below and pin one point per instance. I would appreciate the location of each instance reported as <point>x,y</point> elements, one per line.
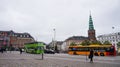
<point>34,47</point>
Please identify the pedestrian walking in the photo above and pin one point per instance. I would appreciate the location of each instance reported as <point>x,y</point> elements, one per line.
<point>1,50</point>
<point>20,50</point>
<point>91,55</point>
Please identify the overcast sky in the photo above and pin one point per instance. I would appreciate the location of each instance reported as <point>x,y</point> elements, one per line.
<point>68,17</point>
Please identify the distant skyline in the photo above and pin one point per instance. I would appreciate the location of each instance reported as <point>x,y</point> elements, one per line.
<point>67,17</point>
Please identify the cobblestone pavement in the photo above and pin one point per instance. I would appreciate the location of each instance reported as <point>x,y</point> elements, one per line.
<point>14,59</point>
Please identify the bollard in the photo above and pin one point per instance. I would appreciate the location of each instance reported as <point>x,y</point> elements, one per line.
<point>42,56</point>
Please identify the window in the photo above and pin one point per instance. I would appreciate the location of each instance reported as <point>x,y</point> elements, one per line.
<point>118,33</point>
<point>110,37</point>
<point>113,40</point>
<point>110,40</point>
<point>113,37</point>
<point>107,49</point>
<point>74,49</point>
<point>116,37</point>
<point>116,40</point>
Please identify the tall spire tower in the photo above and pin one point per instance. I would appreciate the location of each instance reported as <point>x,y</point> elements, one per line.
<point>91,31</point>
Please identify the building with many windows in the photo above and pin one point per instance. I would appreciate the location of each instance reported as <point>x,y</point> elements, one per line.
<point>12,39</point>
<point>113,38</point>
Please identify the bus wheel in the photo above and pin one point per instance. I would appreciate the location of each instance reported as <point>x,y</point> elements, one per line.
<point>102,54</point>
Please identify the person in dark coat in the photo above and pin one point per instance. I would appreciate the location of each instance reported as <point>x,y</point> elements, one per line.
<point>1,50</point>
<point>91,55</point>
<point>20,50</point>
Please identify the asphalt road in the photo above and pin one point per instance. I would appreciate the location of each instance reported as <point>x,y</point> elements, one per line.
<point>15,59</point>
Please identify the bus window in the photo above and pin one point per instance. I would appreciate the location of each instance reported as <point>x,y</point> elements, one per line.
<point>83,49</point>
<point>102,49</point>
<point>74,49</point>
<point>107,49</point>
<point>96,49</point>
<point>111,49</point>
<point>86,49</point>
<point>40,48</point>
<point>80,49</point>
<point>35,49</point>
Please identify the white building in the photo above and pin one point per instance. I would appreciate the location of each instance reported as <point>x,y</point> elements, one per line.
<point>113,38</point>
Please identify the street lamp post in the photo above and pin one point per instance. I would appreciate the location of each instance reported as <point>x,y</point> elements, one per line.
<point>54,39</point>
<point>86,55</point>
<point>114,41</point>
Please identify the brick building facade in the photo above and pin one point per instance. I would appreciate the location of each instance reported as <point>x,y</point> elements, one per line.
<point>10,38</point>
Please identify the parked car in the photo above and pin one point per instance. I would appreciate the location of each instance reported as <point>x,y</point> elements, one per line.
<point>47,51</point>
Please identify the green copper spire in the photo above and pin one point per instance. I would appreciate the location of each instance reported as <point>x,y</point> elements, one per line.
<point>91,27</point>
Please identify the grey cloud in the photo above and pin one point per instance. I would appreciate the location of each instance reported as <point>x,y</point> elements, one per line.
<point>69,17</point>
